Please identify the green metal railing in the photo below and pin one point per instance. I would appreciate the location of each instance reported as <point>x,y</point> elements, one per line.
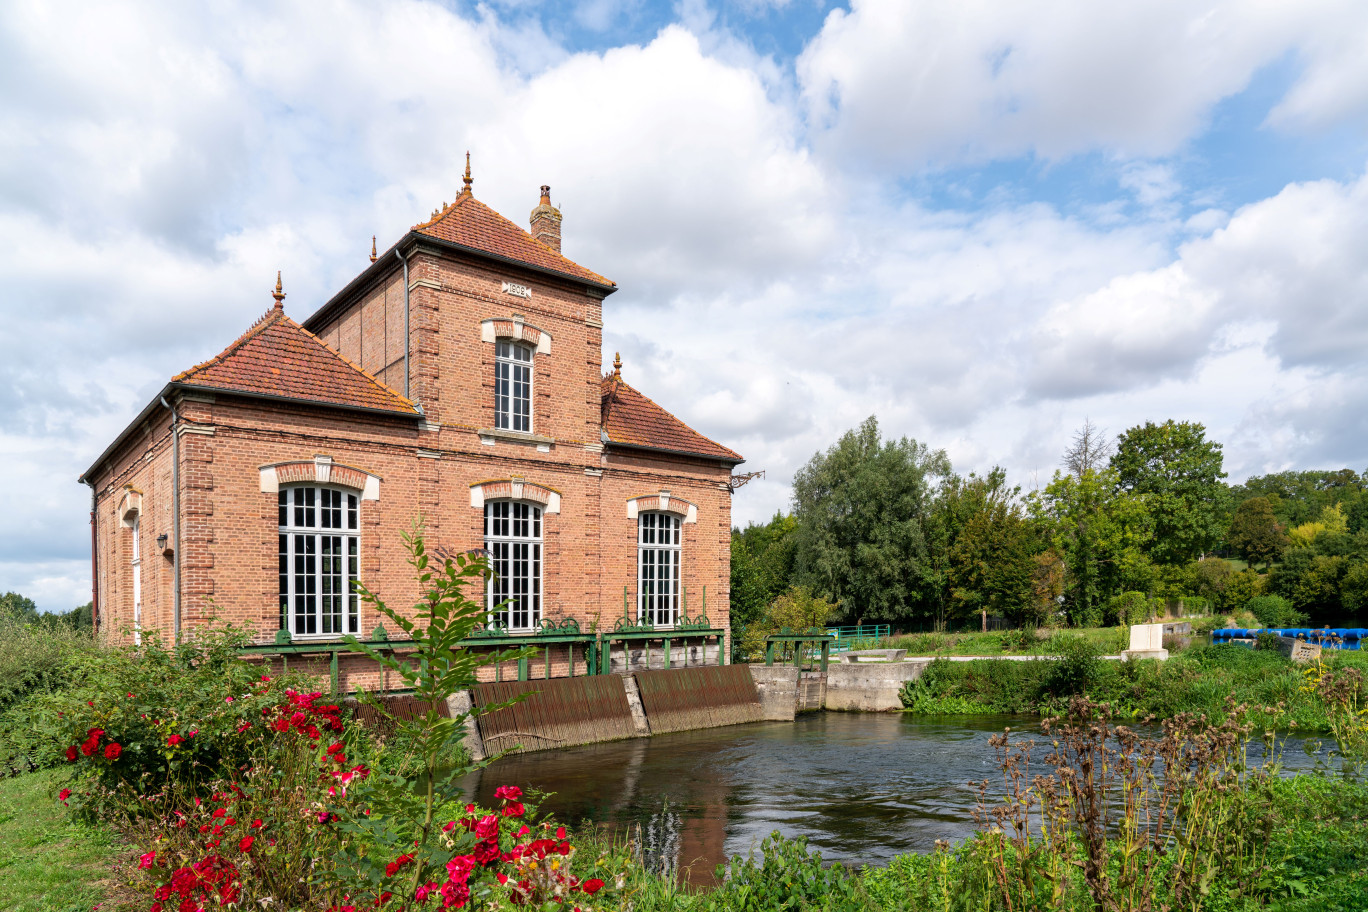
<point>803,645</point>
<point>847,637</point>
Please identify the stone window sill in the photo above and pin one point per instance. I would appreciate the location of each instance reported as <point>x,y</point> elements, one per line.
<point>490,435</point>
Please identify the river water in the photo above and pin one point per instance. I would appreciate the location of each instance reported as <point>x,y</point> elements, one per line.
<point>862,787</point>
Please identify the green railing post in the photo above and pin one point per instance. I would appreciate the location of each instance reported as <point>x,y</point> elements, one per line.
<point>667,652</point>
<point>570,657</point>
<point>548,663</point>
<point>826,654</point>
<point>333,672</point>
<point>523,674</point>
<point>769,653</point>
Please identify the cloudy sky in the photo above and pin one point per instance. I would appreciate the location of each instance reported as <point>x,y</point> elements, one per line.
<point>982,222</point>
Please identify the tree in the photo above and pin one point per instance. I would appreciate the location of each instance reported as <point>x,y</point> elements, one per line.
<point>860,509</point>
<point>1089,451</point>
<point>990,555</point>
<point>1255,533</point>
<point>1177,472</point>
<point>18,605</point>
<point>761,567</point>
<point>1101,532</point>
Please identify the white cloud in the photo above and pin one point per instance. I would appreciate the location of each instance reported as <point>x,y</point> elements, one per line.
<point>158,163</point>
<point>907,84</point>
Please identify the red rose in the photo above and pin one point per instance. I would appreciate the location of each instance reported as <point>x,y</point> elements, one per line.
<point>174,740</point>
<point>508,792</point>
<point>63,795</point>
<point>246,843</point>
<point>71,753</point>
<point>488,827</point>
<point>146,861</point>
<point>513,810</point>
<point>592,886</point>
<point>112,751</point>
<point>88,747</point>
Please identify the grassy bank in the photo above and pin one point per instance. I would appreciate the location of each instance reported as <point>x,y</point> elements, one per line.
<point>48,863</point>
<point>1106,640</point>
<point>1196,680</point>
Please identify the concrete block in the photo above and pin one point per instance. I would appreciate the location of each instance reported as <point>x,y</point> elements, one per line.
<point>881,655</point>
<point>777,687</point>
<point>1146,637</point>
<point>462,702</point>
<point>870,686</point>
<point>643,728</point>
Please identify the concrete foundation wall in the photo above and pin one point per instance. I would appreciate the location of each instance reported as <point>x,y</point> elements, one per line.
<point>777,686</point>
<point>869,686</point>
<point>641,658</point>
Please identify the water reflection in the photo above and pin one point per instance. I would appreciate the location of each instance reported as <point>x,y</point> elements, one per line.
<point>862,787</point>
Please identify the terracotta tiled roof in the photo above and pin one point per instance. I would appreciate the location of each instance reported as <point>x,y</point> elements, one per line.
<point>632,419</point>
<point>471,223</point>
<point>278,357</point>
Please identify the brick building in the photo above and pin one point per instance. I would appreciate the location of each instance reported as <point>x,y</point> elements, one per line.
<point>458,379</point>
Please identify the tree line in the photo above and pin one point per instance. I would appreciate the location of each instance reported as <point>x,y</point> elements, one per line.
<point>887,532</point>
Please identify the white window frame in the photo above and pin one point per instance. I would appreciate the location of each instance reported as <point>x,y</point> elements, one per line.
<point>514,540</point>
<point>513,370</point>
<point>137,579</point>
<point>319,561</point>
<point>660,539</point>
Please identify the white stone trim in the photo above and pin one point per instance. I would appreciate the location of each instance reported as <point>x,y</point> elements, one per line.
<point>268,478</point>
<point>489,334</point>
<point>665,503</point>
<point>517,491</point>
<point>130,507</point>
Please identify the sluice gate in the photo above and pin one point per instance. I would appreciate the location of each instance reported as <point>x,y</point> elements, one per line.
<point>562,712</point>
<point>559,712</point>
<point>705,697</point>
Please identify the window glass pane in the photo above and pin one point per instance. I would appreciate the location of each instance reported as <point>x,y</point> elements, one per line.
<point>284,508</point>
<point>513,539</point>
<point>351,511</point>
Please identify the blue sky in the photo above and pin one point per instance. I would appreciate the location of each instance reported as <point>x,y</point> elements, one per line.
<point>982,222</point>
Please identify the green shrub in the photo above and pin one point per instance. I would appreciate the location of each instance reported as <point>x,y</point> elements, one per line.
<point>1268,642</point>
<point>36,657</point>
<point>1275,611</point>
<point>1128,608</point>
<point>786,876</point>
<point>1076,668</point>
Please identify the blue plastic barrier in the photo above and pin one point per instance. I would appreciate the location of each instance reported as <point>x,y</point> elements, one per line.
<point>1329,637</point>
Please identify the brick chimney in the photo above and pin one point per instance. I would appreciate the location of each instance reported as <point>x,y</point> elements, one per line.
<point>546,221</point>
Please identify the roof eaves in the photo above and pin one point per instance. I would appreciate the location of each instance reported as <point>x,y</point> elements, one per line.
<point>607,289</point>
<point>123,435</point>
<point>673,452</point>
<point>416,412</point>
<point>366,276</point>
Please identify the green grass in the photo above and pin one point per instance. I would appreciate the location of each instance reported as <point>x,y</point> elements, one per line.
<point>48,863</point>
<point>1003,642</point>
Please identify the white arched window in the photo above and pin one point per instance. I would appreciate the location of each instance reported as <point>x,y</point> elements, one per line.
<point>319,561</point>
<point>513,537</point>
<point>658,569</point>
<point>513,386</point>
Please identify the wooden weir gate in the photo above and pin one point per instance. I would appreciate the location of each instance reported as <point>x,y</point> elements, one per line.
<point>561,712</point>
<point>704,697</point>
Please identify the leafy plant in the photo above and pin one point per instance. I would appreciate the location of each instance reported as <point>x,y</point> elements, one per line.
<point>1275,611</point>
<point>401,805</point>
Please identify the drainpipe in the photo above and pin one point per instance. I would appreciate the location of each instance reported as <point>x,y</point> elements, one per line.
<point>94,566</point>
<point>175,521</point>
<point>407,340</point>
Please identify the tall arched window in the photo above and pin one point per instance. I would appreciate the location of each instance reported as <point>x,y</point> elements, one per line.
<point>319,561</point>
<point>513,386</point>
<point>513,537</point>
<point>658,569</point>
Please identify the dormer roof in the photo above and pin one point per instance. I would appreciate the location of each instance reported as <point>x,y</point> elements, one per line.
<point>632,419</point>
<point>469,223</point>
<point>280,359</point>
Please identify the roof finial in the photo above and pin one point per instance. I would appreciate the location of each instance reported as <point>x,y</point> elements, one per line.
<point>373,256</point>
<point>617,365</point>
<point>467,180</point>
<point>279,293</point>
<point>546,194</point>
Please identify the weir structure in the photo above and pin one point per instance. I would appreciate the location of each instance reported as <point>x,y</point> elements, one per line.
<point>520,716</point>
